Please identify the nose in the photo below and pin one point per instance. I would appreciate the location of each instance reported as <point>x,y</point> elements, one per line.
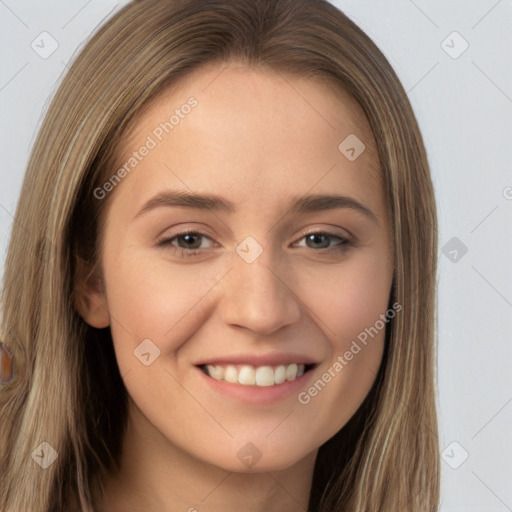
<point>259,295</point>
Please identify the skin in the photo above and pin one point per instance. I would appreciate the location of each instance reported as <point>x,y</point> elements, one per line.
<point>260,139</point>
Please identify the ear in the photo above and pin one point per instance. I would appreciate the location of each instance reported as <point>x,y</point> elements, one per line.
<point>90,299</point>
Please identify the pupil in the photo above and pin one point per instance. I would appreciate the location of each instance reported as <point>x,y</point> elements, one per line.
<point>314,238</point>
<point>188,239</point>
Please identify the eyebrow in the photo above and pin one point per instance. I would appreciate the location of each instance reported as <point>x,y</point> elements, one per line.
<point>212,202</point>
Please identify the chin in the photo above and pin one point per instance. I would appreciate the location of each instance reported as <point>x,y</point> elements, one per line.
<point>249,458</point>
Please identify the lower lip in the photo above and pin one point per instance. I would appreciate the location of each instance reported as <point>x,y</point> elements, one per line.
<point>258,394</point>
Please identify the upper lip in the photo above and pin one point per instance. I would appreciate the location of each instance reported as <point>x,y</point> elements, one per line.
<point>258,360</point>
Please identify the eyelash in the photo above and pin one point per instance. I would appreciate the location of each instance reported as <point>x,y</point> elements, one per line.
<point>340,248</point>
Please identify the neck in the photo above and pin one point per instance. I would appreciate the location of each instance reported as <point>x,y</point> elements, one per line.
<point>157,476</point>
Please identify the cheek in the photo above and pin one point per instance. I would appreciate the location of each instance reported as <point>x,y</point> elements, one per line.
<point>350,299</point>
<point>348,308</point>
<point>155,299</point>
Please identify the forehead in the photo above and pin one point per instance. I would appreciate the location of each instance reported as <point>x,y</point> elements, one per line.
<point>252,131</point>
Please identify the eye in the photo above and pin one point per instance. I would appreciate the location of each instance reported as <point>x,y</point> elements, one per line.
<point>322,240</point>
<point>189,243</point>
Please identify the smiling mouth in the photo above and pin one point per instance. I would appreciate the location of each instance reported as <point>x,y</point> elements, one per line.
<point>263,376</point>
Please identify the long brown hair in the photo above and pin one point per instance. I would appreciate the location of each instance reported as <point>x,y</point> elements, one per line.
<point>68,393</point>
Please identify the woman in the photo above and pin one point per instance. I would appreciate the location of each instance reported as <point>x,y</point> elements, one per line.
<point>259,370</point>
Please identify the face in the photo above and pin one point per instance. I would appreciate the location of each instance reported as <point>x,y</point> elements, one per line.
<point>236,316</point>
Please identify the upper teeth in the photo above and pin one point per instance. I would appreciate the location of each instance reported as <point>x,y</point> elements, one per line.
<point>248,375</point>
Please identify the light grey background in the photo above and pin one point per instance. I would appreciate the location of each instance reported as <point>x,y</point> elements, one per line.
<point>464,107</point>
